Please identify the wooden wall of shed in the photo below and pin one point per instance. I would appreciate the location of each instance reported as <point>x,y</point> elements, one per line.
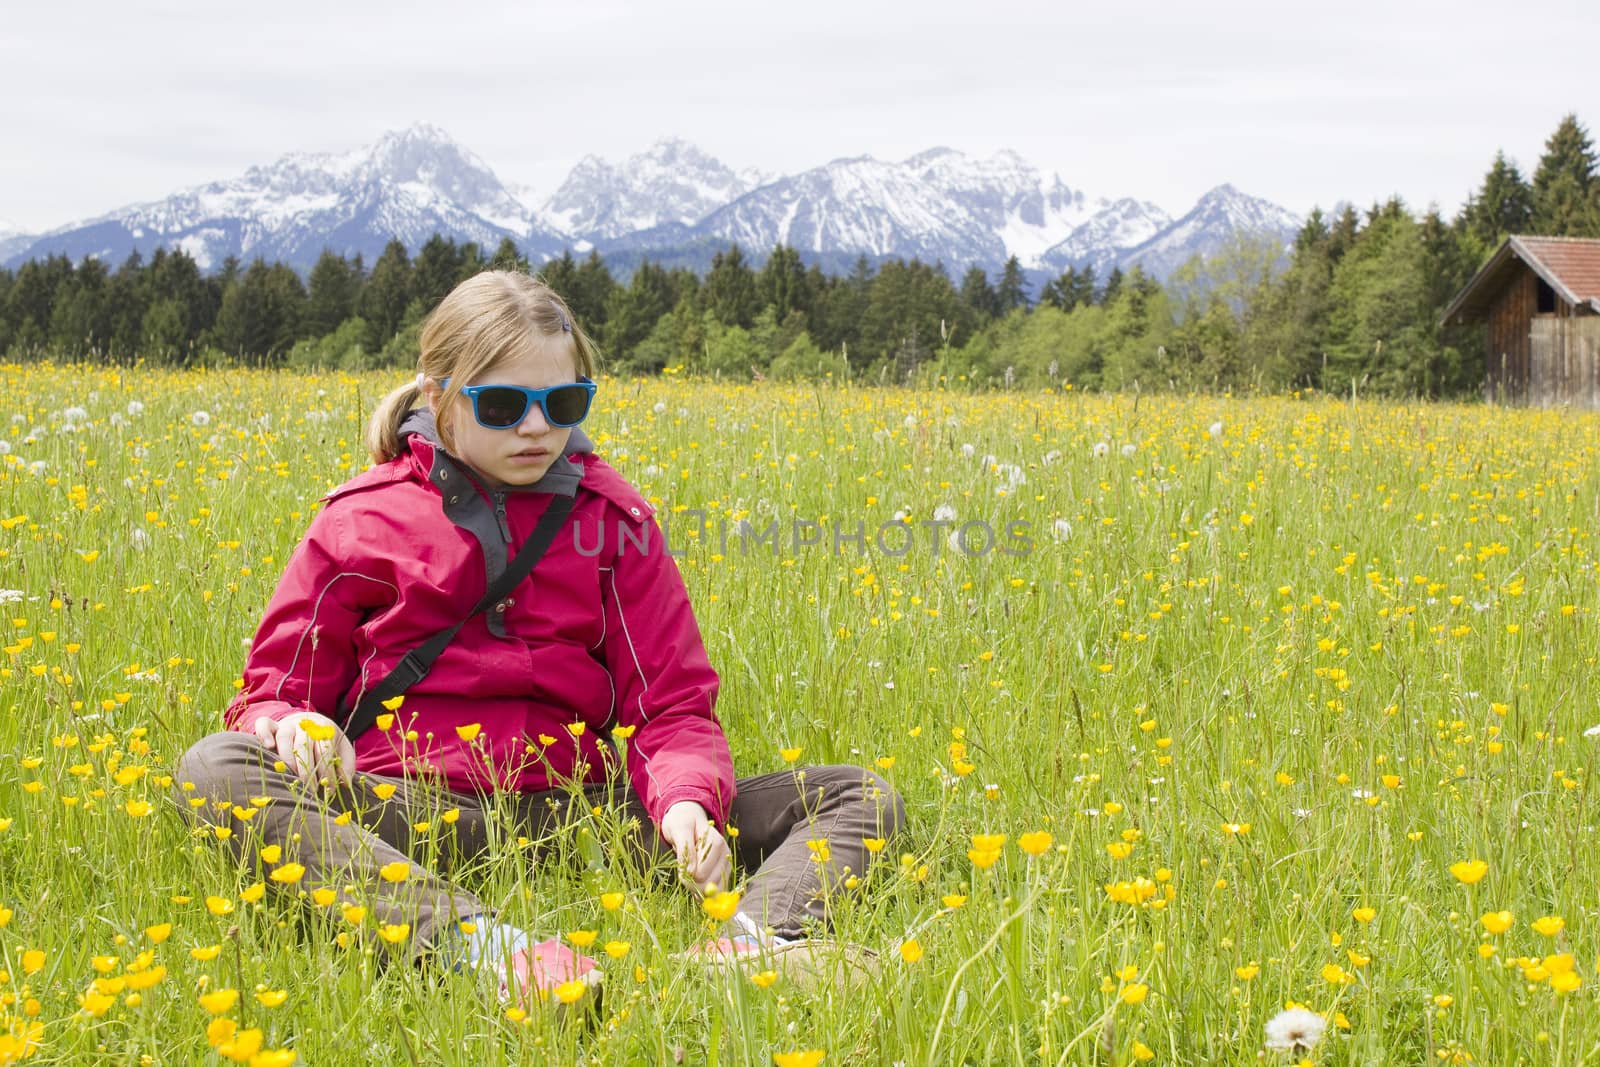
<point>1509,353</point>
<point>1564,361</point>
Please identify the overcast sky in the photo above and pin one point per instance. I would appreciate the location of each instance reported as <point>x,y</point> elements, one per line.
<point>109,103</point>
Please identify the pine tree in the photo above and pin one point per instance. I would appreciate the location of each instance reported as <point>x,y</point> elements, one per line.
<point>1566,188</point>
<point>435,271</point>
<point>729,291</point>
<point>1012,292</point>
<point>386,296</point>
<point>634,310</point>
<point>334,286</point>
<point>589,294</point>
<point>1503,207</point>
<point>506,257</point>
<point>1112,287</point>
<point>782,283</point>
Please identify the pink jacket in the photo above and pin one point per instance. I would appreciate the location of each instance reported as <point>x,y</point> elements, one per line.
<point>601,636</point>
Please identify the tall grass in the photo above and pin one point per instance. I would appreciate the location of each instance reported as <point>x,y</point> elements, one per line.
<point>1262,670</point>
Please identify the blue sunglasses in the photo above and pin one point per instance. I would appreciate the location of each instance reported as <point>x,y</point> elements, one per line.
<point>502,407</point>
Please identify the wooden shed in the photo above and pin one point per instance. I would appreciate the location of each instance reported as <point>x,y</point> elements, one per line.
<point>1540,299</point>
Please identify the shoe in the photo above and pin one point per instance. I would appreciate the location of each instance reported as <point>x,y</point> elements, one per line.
<point>550,970</point>
<point>807,963</point>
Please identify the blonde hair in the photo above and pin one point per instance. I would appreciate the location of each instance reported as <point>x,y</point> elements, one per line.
<point>484,321</point>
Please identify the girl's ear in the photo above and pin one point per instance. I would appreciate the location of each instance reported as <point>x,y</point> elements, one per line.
<point>432,394</point>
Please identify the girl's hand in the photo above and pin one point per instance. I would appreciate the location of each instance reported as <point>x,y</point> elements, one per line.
<point>311,745</point>
<point>703,856</point>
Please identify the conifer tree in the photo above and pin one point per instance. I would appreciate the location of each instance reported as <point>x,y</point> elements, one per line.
<point>1566,188</point>
<point>334,286</point>
<point>1504,205</point>
<point>729,291</point>
<point>1012,292</point>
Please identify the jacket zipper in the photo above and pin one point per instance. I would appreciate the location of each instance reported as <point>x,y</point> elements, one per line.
<point>500,516</point>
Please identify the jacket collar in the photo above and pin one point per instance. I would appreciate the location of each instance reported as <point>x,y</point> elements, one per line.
<point>563,477</point>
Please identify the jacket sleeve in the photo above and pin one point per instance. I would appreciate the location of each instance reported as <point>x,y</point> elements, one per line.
<point>665,687</point>
<point>303,655</point>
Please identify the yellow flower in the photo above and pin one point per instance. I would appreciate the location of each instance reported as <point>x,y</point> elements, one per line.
<point>271,854</point>
<point>1135,993</point>
<point>764,979</point>
<point>158,933</point>
<point>354,914</point>
<point>1549,925</point>
<point>289,873</point>
<point>1565,981</point>
<point>1036,843</point>
<point>219,1001</point>
<point>1364,915</point>
<point>582,938</point>
<point>205,953</point>
<point>275,1057</point>
<point>1142,1052</point>
<point>988,842</point>
<point>32,961</point>
<point>721,906</point>
<point>571,992</point>
<point>393,704</point>
<point>138,808</point>
<point>394,933</point>
<point>271,998</point>
<point>319,731</point>
<point>952,900</point>
<point>983,858</point>
<point>95,1004</point>
<point>145,979</point>
<point>622,733</point>
<point>322,896</point>
<point>469,731</point>
<point>254,892</point>
<point>1335,974</point>
<point>1247,972</point>
<point>911,951</point>
<point>790,754</point>
<point>873,844</point>
<point>1470,872</point>
<point>1497,922</point>
<point>611,901</point>
<point>220,1030</point>
<point>384,790</point>
<point>1119,850</point>
<point>1235,828</point>
<point>885,763</point>
<point>806,1058</point>
<point>398,871</point>
<point>617,949</point>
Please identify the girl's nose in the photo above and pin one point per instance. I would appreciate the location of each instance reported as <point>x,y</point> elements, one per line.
<point>533,423</point>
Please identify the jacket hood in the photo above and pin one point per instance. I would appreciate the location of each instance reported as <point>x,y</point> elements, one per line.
<point>562,477</point>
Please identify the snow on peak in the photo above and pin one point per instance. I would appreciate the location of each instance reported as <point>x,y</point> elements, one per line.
<point>672,181</point>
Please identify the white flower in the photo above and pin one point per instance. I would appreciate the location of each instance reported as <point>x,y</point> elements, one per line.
<point>944,513</point>
<point>139,539</point>
<point>1061,530</point>
<point>200,418</point>
<point>5,448</point>
<point>1215,430</point>
<point>1295,1031</point>
<point>75,414</point>
<point>1052,456</point>
<point>1593,731</point>
<point>911,422</point>
<point>1101,449</point>
<point>1129,450</point>
<point>967,451</point>
<point>660,408</point>
<point>135,408</point>
<point>11,596</point>
<point>38,466</point>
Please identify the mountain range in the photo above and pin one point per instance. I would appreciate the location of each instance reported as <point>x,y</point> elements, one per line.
<point>673,203</point>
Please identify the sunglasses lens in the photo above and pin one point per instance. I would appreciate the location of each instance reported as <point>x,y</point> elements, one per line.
<point>501,408</point>
<point>567,405</point>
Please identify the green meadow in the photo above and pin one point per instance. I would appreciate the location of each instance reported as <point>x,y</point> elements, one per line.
<point>1203,709</point>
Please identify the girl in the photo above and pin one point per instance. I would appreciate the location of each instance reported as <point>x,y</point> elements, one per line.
<point>530,702</point>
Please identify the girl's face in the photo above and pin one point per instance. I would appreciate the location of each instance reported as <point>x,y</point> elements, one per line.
<point>518,455</point>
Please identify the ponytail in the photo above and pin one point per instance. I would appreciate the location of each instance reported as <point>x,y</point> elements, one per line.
<point>383,429</point>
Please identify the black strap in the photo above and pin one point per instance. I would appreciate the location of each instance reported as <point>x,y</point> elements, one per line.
<point>416,664</point>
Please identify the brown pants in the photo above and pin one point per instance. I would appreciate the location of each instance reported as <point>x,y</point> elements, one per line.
<point>345,838</point>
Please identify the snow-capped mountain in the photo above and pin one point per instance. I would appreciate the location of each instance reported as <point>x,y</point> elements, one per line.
<point>673,203</point>
<point>671,182</point>
<point>12,238</point>
<point>410,185</point>
<point>1214,222</point>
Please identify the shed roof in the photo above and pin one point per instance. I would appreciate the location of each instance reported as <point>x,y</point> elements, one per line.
<point>1569,265</point>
